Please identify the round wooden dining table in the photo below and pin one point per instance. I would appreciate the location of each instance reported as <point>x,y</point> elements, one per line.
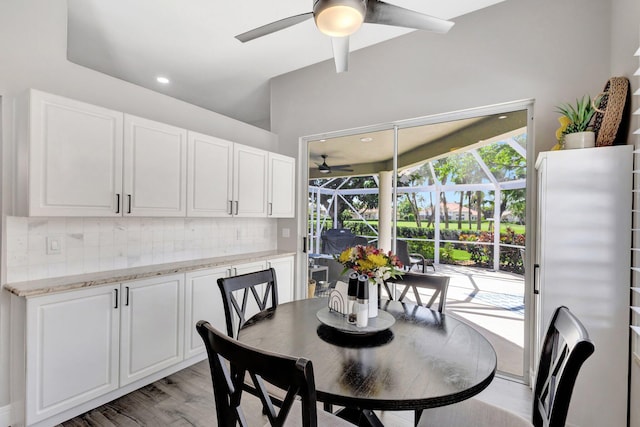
<point>425,359</point>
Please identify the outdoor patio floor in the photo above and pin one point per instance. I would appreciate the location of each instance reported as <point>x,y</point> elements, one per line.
<point>493,303</point>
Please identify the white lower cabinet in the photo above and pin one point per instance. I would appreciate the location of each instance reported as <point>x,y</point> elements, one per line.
<point>84,347</point>
<point>284,275</point>
<point>72,342</point>
<point>203,301</point>
<point>151,331</point>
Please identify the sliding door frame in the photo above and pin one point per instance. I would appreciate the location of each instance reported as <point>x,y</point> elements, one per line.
<point>396,126</point>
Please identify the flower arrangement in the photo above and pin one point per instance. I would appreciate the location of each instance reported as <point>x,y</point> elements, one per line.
<point>371,261</point>
<point>575,118</point>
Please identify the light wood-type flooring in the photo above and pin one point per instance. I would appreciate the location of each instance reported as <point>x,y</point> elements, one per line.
<point>186,399</point>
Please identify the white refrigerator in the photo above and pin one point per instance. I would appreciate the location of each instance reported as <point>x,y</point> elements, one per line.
<point>583,243</point>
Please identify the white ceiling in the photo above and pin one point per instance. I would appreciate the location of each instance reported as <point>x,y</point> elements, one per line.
<point>192,43</point>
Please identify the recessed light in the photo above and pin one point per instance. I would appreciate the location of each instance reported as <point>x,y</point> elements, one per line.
<point>162,80</point>
<point>323,140</point>
<point>502,117</point>
<point>367,139</point>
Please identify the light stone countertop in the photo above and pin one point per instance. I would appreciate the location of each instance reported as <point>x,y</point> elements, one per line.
<point>32,288</point>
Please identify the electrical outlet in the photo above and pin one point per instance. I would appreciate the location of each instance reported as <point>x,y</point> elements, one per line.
<point>54,245</point>
<point>286,232</point>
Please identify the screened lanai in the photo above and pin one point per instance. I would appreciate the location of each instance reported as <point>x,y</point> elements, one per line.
<point>454,201</point>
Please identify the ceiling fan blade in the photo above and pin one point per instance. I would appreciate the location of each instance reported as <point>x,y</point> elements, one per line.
<point>335,168</point>
<point>273,27</point>
<point>341,53</point>
<point>379,12</point>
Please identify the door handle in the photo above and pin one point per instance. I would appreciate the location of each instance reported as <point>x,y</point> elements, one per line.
<point>116,304</point>
<point>237,203</point>
<point>129,196</point>
<point>270,209</point>
<point>536,289</point>
<point>117,203</point>
<point>230,207</point>
<point>126,303</point>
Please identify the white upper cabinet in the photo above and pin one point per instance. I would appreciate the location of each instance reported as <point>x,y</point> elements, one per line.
<point>210,182</point>
<point>85,160</point>
<point>155,168</point>
<point>281,186</point>
<point>75,155</point>
<point>249,181</point>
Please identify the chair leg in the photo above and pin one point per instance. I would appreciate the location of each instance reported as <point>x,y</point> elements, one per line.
<point>417,415</point>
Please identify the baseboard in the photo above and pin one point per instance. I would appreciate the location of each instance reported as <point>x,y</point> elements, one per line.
<point>5,416</point>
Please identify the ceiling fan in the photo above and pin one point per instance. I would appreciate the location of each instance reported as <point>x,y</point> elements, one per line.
<point>325,168</point>
<point>341,18</point>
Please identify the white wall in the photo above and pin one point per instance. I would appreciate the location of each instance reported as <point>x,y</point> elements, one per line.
<point>33,55</point>
<point>550,50</point>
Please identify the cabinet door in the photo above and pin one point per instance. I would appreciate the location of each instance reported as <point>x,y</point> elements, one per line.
<point>249,181</point>
<point>151,335</point>
<point>75,158</point>
<point>155,168</point>
<point>210,166</point>
<point>203,301</point>
<point>72,349</point>
<point>282,184</point>
<point>284,275</point>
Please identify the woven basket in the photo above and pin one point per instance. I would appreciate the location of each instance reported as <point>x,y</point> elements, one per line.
<point>611,119</point>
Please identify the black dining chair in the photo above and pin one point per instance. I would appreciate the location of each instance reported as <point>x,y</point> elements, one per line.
<point>410,260</point>
<point>247,298</point>
<point>231,361</point>
<point>566,347</point>
<point>414,281</point>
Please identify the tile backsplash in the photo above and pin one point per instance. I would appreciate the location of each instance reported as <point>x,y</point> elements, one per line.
<point>88,245</point>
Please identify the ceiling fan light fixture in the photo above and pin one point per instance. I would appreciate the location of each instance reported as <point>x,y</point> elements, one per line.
<point>339,18</point>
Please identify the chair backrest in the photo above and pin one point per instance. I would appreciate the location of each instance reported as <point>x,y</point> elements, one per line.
<point>255,290</point>
<point>566,347</point>
<point>413,281</point>
<point>402,252</point>
<point>336,240</point>
<point>230,360</point>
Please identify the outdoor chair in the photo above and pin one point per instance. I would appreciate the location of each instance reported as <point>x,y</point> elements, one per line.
<point>415,281</point>
<point>566,347</point>
<point>231,361</point>
<point>336,240</point>
<point>412,259</point>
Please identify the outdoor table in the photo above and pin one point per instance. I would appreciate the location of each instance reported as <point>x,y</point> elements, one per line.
<point>424,360</point>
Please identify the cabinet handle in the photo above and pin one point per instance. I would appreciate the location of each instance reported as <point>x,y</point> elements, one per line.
<point>270,209</point>
<point>237,203</point>
<point>129,196</point>
<point>536,290</point>
<point>116,305</point>
<point>117,203</point>
<point>230,207</point>
<point>126,303</point>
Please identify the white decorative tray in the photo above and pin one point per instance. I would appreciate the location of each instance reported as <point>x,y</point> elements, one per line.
<point>339,321</point>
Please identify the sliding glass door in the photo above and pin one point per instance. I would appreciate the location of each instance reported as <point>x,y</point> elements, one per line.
<point>452,189</point>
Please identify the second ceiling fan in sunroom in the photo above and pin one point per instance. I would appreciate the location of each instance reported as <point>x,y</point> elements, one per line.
<point>341,18</point>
